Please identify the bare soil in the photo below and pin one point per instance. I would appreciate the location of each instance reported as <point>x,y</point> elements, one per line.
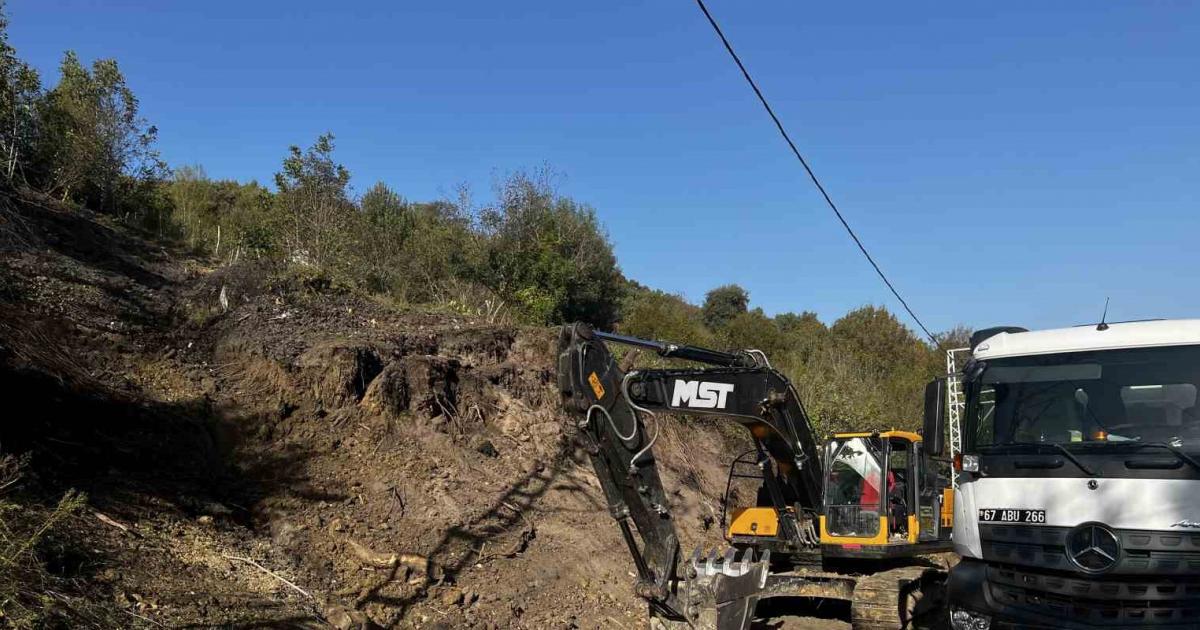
<point>263,451</point>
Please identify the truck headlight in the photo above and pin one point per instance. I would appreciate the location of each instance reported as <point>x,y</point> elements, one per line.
<point>963,619</point>
<point>970,463</point>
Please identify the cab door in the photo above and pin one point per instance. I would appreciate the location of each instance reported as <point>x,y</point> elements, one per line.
<point>928,494</point>
<point>854,492</point>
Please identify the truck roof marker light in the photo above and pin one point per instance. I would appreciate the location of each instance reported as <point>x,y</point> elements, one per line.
<point>1100,436</point>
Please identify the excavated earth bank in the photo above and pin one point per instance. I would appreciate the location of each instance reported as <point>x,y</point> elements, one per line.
<point>260,452</point>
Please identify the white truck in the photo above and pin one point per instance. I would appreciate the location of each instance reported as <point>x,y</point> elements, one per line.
<point>1078,500</point>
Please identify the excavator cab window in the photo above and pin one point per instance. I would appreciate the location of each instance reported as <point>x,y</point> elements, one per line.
<point>854,502</point>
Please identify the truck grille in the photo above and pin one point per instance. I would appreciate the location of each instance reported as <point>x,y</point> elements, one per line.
<point>1143,552</point>
<point>1096,602</point>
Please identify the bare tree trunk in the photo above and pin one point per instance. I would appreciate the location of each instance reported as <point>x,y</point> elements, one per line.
<point>217,249</point>
<point>12,147</point>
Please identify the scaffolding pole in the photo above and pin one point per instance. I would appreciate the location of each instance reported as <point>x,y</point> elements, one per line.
<point>955,401</point>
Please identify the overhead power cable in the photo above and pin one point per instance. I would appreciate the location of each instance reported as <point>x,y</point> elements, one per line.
<point>832,206</point>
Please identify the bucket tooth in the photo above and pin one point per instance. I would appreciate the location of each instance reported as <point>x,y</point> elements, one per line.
<point>698,561</point>
<point>747,560</point>
<point>711,565</point>
<point>727,565</point>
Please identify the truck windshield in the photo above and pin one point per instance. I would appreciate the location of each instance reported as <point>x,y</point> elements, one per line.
<point>1096,397</point>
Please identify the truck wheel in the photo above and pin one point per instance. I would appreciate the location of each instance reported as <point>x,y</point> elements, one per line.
<point>900,598</point>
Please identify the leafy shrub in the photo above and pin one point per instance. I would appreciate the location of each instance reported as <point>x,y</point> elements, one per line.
<point>657,315</point>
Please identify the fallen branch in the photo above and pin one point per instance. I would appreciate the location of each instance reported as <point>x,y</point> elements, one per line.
<point>526,536</point>
<point>143,618</point>
<point>104,518</point>
<point>270,573</point>
<point>399,500</point>
<point>11,482</point>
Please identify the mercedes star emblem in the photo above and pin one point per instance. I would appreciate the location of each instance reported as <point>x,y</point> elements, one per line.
<point>1093,547</point>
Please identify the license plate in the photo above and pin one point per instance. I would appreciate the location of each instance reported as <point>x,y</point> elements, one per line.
<point>987,515</point>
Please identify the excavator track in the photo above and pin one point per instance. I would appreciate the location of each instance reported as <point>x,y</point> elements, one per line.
<point>899,598</point>
<point>905,597</point>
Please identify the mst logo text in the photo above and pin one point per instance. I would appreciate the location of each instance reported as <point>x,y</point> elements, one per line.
<point>700,395</point>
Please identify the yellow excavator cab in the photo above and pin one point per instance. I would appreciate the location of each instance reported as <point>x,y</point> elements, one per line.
<point>883,498</point>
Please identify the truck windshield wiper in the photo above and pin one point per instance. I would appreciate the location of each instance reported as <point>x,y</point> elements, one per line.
<point>1074,460</point>
<point>1174,449</point>
<point>1062,449</point>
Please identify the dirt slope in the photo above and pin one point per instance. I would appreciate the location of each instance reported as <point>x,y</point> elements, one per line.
<point>261,452</point>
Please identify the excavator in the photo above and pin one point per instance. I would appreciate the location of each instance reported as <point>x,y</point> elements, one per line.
<point>847,520</point>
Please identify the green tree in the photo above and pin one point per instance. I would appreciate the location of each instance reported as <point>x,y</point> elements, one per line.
<point>96,147</point>
<point>724,303</point>
<point>313,196</point>
<point>805,333</point>
<point>442,251</point>
<point>754,330</point>
<point>957,337</point>
<point>880,341</point>
<point>657,315</point>
<point>418,252</point>
<point>256,227</point>
<point>549,257</point>
<point>227,219</point>
<point>192,198</point>
<point>891,362</point>
<point>20,96</point>
<point>386,210</point>
<point>804,323</point>
<point>388,224</point>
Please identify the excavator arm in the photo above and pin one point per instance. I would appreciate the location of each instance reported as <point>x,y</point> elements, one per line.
<point>617,417</point>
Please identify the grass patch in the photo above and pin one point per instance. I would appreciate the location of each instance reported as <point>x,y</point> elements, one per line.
<point>27,598</point>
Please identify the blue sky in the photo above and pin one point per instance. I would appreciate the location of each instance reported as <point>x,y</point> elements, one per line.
<point>1007,163</point>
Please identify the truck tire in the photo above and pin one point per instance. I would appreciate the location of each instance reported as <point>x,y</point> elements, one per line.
<point>899,598</point>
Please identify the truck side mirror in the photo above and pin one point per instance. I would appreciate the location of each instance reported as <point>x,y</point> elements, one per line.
<point>934,433</point>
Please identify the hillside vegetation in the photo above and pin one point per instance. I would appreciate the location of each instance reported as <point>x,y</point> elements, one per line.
<point>528,255</point>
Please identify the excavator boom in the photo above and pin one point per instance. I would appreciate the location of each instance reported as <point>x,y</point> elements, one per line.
<point>618,419</point>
